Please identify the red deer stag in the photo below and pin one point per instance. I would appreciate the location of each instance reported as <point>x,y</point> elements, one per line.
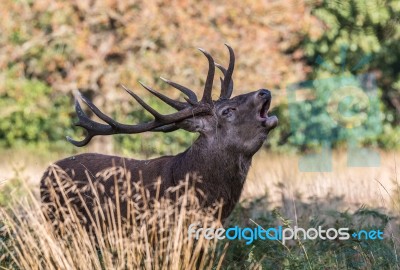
<point>231,131</point>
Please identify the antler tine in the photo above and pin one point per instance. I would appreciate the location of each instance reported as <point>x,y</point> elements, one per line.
<point>227,86</point>
<point>173,103</point>
<point>96,111</point>
<point>224,91</point>
<point>89,125</point>
<point>189,93</point>
<point>223,70</point>
<point>166,128</point>
<point>79,143</point>
<point>148,108</point>
<point>207,98</point>
<point>166,119</point>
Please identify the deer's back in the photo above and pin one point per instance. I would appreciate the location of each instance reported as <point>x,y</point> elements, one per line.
<point>80,167</point>
<point>77,178</point>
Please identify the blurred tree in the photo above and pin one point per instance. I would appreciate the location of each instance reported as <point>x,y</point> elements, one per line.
<point>357,37</point>
<point>32,113</point>
<point>93,46</point>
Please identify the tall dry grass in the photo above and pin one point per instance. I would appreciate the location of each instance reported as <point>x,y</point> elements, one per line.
<point>153,236</point>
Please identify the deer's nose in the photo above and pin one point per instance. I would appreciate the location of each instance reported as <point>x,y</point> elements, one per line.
<point>264,94</point>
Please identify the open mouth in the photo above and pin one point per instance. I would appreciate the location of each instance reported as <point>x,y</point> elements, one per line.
<point>264,110</point>
<point>267,121</point>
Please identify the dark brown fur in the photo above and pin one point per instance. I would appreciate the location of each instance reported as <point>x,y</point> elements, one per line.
<point>230,135</point>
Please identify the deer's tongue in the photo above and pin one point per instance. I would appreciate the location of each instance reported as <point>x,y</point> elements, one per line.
<point>270,122</point>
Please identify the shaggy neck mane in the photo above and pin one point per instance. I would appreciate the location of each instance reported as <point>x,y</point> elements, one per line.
<point>223,172</point>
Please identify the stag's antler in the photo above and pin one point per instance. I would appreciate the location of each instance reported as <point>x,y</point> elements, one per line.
<point>161,123</point>
<point>227,82</point>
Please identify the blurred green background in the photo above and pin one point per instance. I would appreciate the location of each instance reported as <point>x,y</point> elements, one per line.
<point>50,48</point>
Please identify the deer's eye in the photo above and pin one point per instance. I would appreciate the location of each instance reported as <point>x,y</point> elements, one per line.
<point>228,111</point>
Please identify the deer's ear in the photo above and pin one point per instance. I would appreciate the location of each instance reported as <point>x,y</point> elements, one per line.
<point>194,124</point>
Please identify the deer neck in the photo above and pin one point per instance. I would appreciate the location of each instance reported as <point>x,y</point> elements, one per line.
<point>222,172</point>
<point>215,163</point>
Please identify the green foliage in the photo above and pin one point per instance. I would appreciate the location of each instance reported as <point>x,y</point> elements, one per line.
<point>312,254</point>
<point>31,113</point>
<point>359,36</point>
<point>341,110</point>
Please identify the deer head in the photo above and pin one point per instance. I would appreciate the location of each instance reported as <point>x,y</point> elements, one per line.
<point>240,123</point>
